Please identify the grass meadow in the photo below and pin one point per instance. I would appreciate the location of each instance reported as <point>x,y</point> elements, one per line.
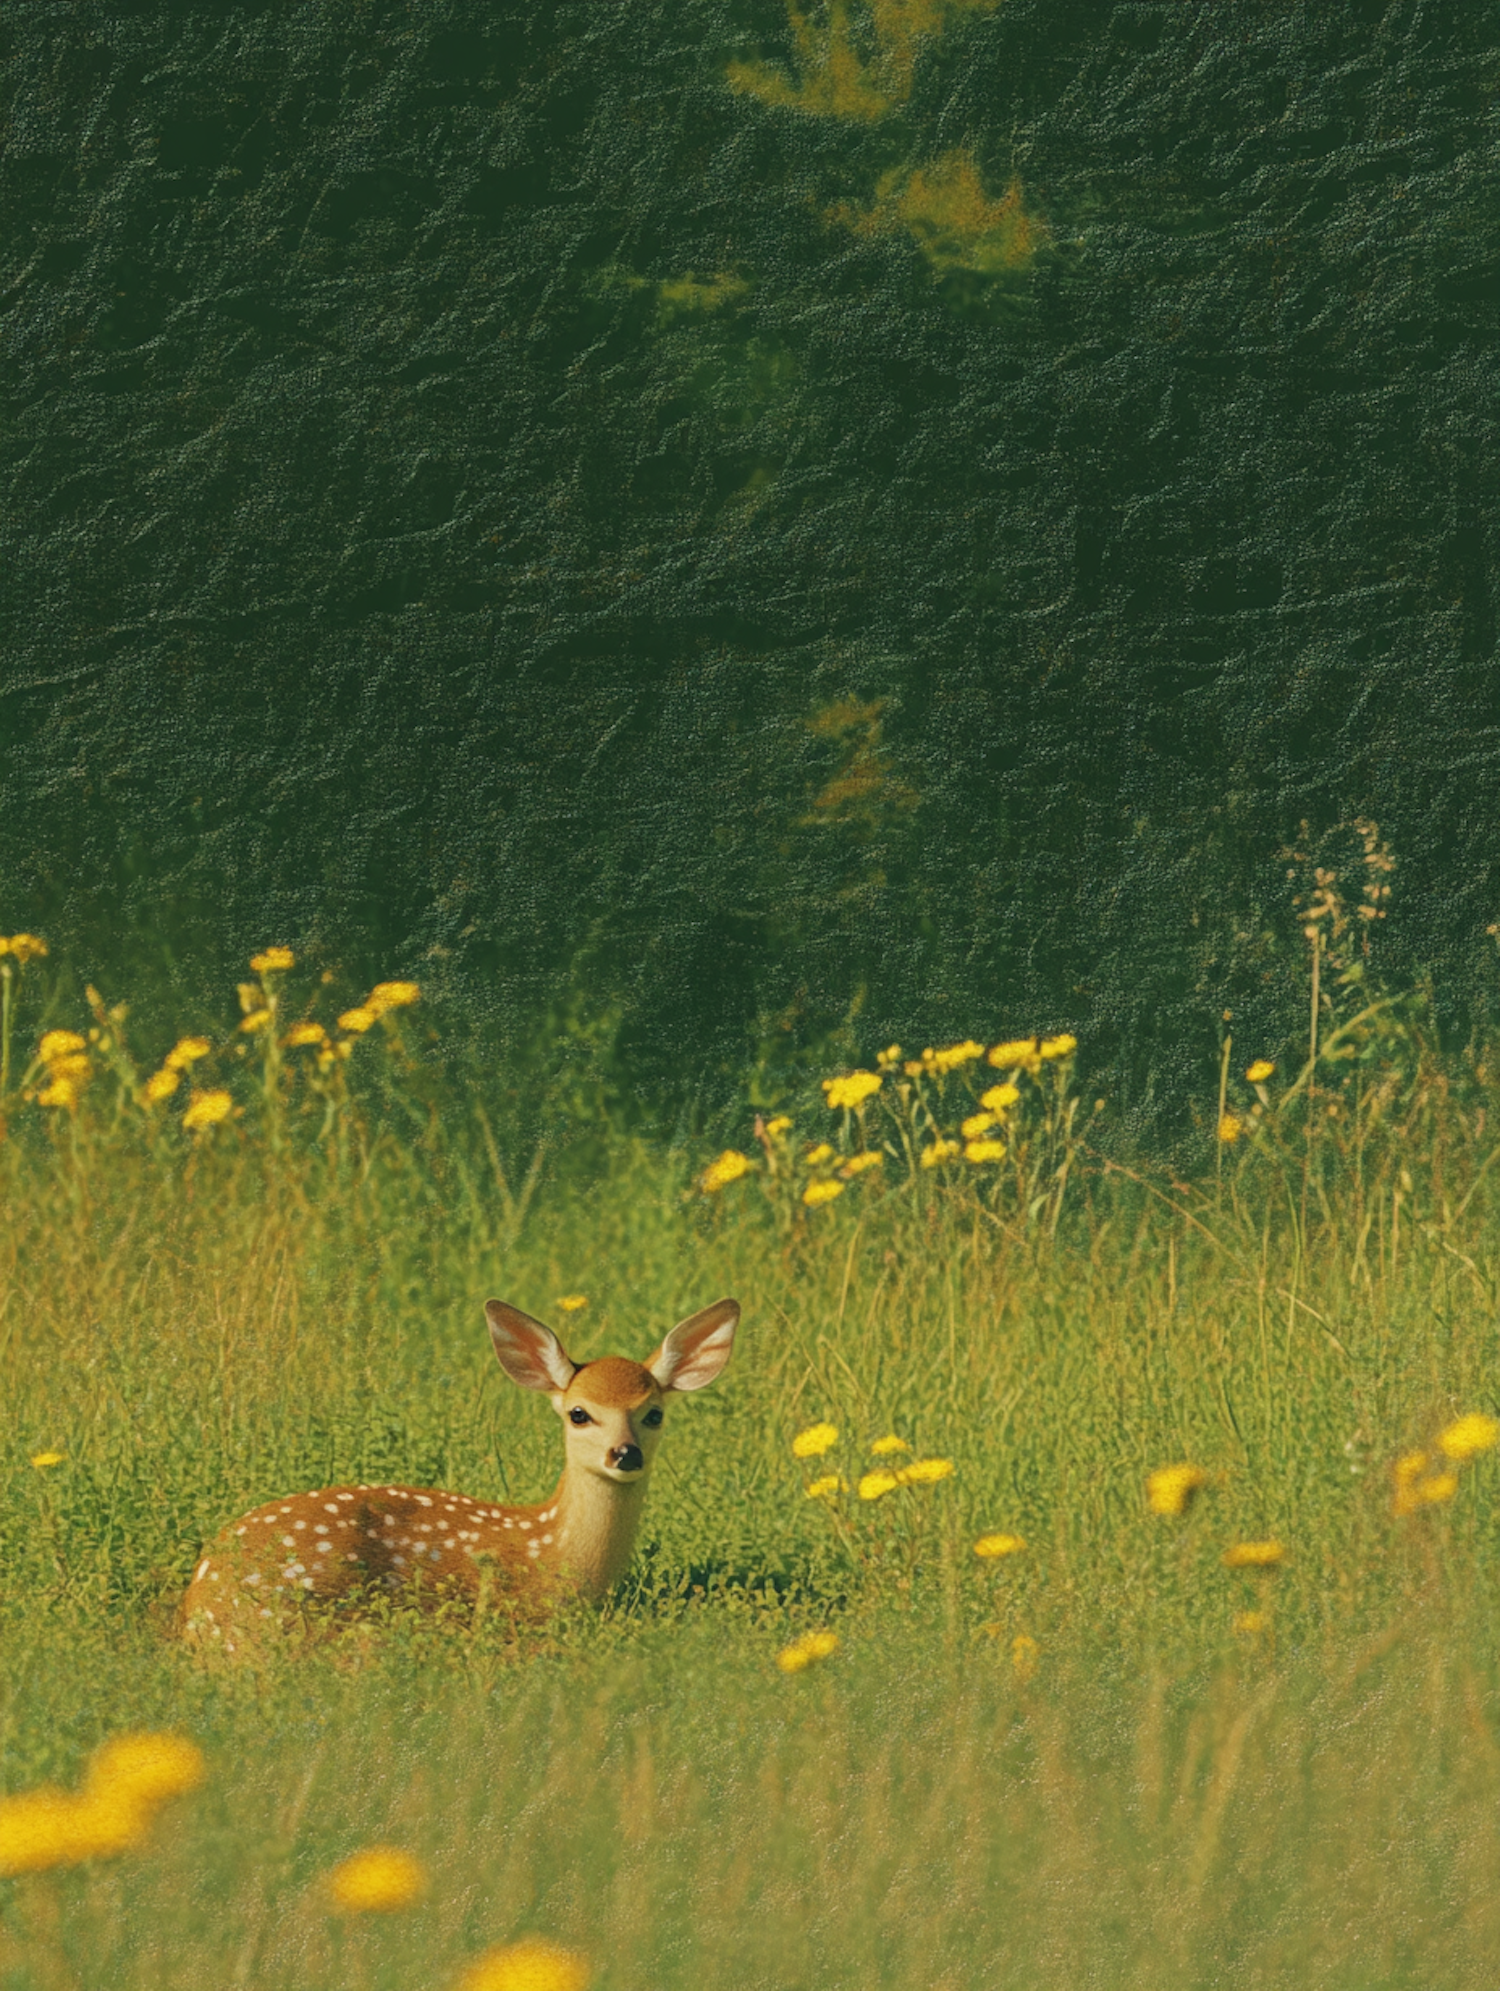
<point>1103,1758</point>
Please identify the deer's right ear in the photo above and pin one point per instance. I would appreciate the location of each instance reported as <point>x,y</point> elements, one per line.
<point>529,1353</point>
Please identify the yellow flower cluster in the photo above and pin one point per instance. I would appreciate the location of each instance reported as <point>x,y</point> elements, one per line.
<point>853,1089</point>
<point>128,1780</point>
<point>1171,1490</point>
<point>1031,1052</point>
<point>1254,1555</point>
<point>938,1064</point>
<point>806,1651</point>
<point>921,1472</point>
<point>998,1545</point>
<point>273,961</point>
<point>1260,1071</point>
<point>1414,1482</point>
<point>939,1151</point>
<point>533,1964</point>
<point>302,1035</point>
<point>23,947</point>
<point>572,1303</point>
<point>377,1881</point>
<point>207,1109</point>
<point>65,1059</point>
<point>858,1163</point>
<point>827,1486</point>
<point>384,997</point>
<point>1468,1436</point>
<point>979,1151</point>
<point>730,1166</point>
<point>822,1191</point>
<point>815,1441</point>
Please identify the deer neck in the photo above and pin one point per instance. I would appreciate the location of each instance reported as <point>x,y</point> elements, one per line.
<point>596,1523</point>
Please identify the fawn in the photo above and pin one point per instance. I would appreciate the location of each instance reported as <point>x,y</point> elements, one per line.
<point>341,1542</point>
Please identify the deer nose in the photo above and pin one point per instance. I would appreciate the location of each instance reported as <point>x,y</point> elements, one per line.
<point>628,1458</point>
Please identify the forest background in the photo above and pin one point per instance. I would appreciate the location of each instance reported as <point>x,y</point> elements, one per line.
<point>713,537</point>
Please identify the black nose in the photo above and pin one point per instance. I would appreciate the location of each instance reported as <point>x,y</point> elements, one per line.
<point>628,1458</point>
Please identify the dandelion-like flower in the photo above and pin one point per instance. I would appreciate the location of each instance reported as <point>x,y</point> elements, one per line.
<point>1254,1555</point>
<point>572,1303</point>
<point>273,960</point>
<point>952,1056</point>
<point>62,1092</point>
<point>1025,1657</point>
<point>1231,1126</point>
<point>44,1459</point>
<point>1249,1624</point>
<point>358,1020</point>
<point>977,1124</point>
<point>858,1163</point>
<point>729,1167</point>
<point>1468,1436</point>
<point>884,1447</point>
<point>207,1109</point>
<point>186,1051</point>
<point>1260,1071</point>
<point>59,1044</point>
<point>818,1155</point>
<point>1171,1490</point>
<point>853,1089</point>
<point>826,1487</point>
<point>823,1191</point>
<point>161,1085</point>
<point>1016,1051</point>
<point>302,1034</point>
<point>533,1964</point>
<point>979,1151</point>
<point>24,947</point>
<point>807,1650</point>
<point>256,1020</point>
<point>780,1124</point>
<point>875,1485</point>
<point>392,995</point>
<point>377,1881</point>
<point>815,1441</point>
<point>1415,1487</point>
<point>1061,1046</point>
<point>46,1828</point>
<point>939,1151</point>
<point>1000,1098</point>
<point>889,1057</point>
<point>998,1545</point>
<point>146,1767</point>
<point>924,1472</point>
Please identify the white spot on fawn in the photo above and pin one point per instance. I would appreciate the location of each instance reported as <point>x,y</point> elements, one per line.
<point>200,1569</point>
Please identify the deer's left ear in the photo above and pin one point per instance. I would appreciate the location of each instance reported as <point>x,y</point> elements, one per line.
<point>697,1348</point>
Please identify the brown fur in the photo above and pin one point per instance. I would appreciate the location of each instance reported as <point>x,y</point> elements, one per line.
<point>614,1383</point>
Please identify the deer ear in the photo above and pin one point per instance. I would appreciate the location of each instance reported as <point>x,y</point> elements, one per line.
<point>697,1348</point>
<point>529,1353</point>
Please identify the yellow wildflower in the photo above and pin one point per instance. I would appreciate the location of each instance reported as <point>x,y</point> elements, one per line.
<point>1000,1098</point>
<point>1172,1489</point>
<point>161,1085</point>
<point>821,1192</point>
<point>273,960</point>
<point>1260,1071</point>
<point>889,1057</point>
<point>57,1044</point>
<point>952,1056</point>
<point>858,1163</point>
<point>802,1652</point>
<point>47,1458</point>
<point>358,1020</point>
<point>1231,1126</point>
<point>62,1092</point>
<point>572,1303</point>
<point>531,1965</point>
<point>940,1150</point>
<point>1016,1051</point>
<point>815,1157</point>
<point>186,1051</point>
<point>984,1151</point>
<point>377,1881</point>
<point>146,1767</point>
<point>876,1484</point>
<point>977,1124</point>
<point>1061,1046</point>
<point>853,1089</point>
<point>1249,1624</point>
<point>827,1486</point>
<point>1468,1436</point>
<point>207,1109</point>
<point>993,1545</point>
<point>883,1447</point>
<point>1025,1656</point>
<point>1254,1555</point>
<point>256,1020</point>
<point>305,1033</point>
<point>76,1066</point>
<point>815,1441</point>
<point>924,1472</point>
<point>730,1166</point>
<point>24,947</point>
<point>779,1125</point>
<point>51,1828</point>
<point>1415,1487</point>
<point>392,995</point>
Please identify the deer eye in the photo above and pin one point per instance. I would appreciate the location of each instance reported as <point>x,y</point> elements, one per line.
<point>578,1415</point>
<point>653,1416</point>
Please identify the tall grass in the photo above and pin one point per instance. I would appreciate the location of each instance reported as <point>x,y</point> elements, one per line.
<point>1103,1759</point>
